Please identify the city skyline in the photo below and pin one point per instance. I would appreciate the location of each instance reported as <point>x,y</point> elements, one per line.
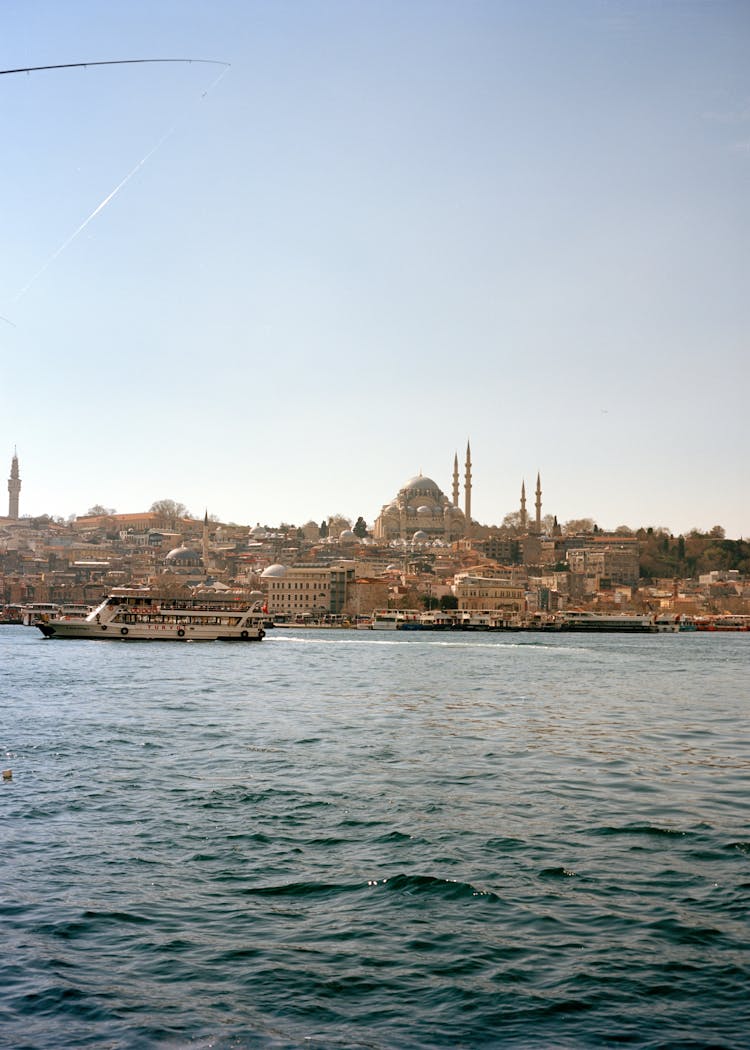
<point>527,521</point>
<point>280,289</point>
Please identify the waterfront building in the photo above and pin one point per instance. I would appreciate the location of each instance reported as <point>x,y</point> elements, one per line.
<point>306,591</point>
<point>489,594</point>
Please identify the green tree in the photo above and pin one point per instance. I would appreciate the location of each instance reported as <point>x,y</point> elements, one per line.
<point>360,528</point>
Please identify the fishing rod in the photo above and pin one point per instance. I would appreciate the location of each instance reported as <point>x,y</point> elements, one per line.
<point>110,62</point>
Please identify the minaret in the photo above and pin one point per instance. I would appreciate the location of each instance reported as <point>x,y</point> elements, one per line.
<point>455,480</point>
<point>538,522</point>
<point>467,490</point>
<point>14,488</point>
<point>524,515</point>
<point>205,542</point>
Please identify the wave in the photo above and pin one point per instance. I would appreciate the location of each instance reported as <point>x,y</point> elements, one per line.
<point>410,885</point>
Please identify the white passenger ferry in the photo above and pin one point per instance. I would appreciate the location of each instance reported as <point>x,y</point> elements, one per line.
<point>133,614</point>
<point>574,620</point>
<point>395,619</point>
<point>33,613</point>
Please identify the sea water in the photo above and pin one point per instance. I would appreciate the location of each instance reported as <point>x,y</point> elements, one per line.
<point>368,840</point>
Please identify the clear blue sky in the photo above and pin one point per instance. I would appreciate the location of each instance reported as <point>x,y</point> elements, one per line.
<point>389,227</point>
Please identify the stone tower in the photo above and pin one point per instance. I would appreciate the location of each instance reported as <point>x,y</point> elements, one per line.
<point>14,488</point>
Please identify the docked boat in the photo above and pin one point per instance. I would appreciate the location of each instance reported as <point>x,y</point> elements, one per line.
<point>667,623</point>
<point>586,620</point>
<point>130,614</point>
<point>395,620</point>
<point>36,612</point>
<point>724,622</point>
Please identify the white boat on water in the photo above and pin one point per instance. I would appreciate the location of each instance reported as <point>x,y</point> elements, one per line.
<point>667,623</point>
<point>395,619</point>
<point>33,613</point>
<point>130,614</point>
<point>585,620</point>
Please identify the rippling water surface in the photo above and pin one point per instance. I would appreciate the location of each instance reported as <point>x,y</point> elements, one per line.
<point>350,839</point>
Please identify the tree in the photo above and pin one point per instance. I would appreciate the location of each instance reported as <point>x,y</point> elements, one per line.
<point>360,528</point>
<point>323,530</point>
<point>337,523</point>
<point>170,510</point>
<point>98,511</point>
<point>578,525</point>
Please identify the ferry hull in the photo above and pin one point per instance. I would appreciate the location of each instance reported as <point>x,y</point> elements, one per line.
<point>608,628</point>
<point>149,632</point>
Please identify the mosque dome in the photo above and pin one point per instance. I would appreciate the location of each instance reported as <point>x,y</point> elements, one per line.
<point>183,556</point>
<point>424,509</point>
<point>347,536</point>
<point>420,537</point>
<point>422,486</point>
<point>275,570</point>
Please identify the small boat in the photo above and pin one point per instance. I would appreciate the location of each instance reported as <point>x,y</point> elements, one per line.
<point>130,614</point>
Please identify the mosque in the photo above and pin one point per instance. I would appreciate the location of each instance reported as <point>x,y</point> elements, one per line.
<point>422,512</point>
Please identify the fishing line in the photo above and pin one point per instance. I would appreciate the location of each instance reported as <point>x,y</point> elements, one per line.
<point>123,182</point>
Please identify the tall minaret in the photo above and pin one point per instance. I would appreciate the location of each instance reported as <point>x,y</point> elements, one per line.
<point>467,490</point>
<point>205,542</point>
<point>455,480</point>
<point>538,522</point>
<point>524,515</point>
<point>14,487</point>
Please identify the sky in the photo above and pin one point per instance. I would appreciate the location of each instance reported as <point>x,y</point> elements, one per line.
<point>277,289</point>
